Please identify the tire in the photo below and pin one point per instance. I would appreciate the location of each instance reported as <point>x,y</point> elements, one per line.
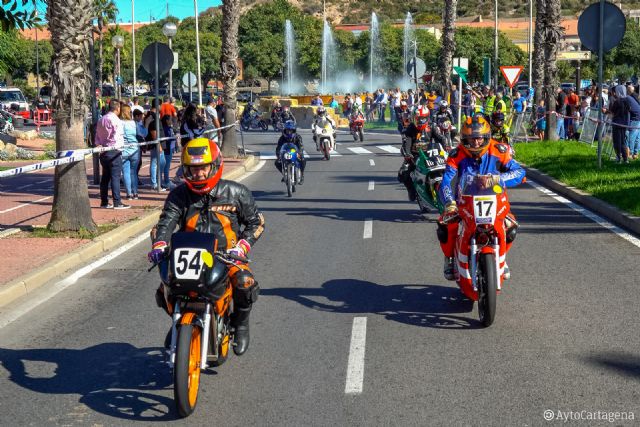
<point>423,208</point>
<point>245,126</point>
<point>487,289</point>
<point>355,135</point>
<point>223,347</point>
<point>327,151</point>
<point>292,178</point>
<point>361,133</point>
<point>264,125</point>
<point>288,181</point>
<point>186,372</point>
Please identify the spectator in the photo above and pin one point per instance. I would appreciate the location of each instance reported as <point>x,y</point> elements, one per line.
<point>156,150</point>
<point>146,106</point>
<point>317,101</point>
<point>333,104</point>
<point>382,102</point>
<point>167,109</point>
<point>573,106</point>
<point>347,104</point>
<point>109,133</point>
<point>136,105</point>
<point>169,148</point>
<point>368,106</point>
<point>455,100</point>
<point>619,111</point>
<point>141,136</point>
<point>561,111</point>
<point>130,153</point>
<point>211,119</point>
<point>357,102</point>
<point>190,128</point>
<point>541,119</point>
<point>633,134</point>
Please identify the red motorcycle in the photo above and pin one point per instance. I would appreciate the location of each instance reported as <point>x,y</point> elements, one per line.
<point>356,126</point>
<point>480,251</point>
<point>444,128</point>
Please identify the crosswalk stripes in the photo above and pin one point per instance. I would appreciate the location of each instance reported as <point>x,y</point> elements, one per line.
<point>359,150</point>
<point>389,149</point>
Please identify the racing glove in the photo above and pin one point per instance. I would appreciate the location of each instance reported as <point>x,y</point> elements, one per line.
<point>241,249</point>
<point>157,252</point>
<point>450,213</point>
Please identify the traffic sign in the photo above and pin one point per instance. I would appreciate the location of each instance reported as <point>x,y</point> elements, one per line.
<point>189,80</point>
<point>511,74</point>
<point>165,58</point>
<point>614,24</point>
<point>420,67</point>
<point>575,55</point>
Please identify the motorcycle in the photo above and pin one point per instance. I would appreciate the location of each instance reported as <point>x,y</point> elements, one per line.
<point>254,121</point>
<point>277,123</point>
<point>427,175</point>
<point>6,122</point>
<point>290,166</point>
<point>480,250</point>
<point>444,128</point>
<point>323,135</point>
<point>197,276</point>
<point>502,136</point>
<point>356,126</point>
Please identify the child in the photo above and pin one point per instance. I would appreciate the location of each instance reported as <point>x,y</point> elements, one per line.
<point>541,119</point>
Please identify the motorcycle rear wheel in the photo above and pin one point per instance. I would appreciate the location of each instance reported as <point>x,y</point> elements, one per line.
<point>264,125</point>
<point>186,372</point>
<point>245,126</point>
<point>487,289</point>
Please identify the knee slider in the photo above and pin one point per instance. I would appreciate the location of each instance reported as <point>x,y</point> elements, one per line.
<point>443,233</point>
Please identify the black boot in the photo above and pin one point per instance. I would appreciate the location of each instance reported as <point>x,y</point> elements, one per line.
<point>240,324</point>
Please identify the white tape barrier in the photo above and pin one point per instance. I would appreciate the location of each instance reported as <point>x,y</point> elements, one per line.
<point>79,155</point>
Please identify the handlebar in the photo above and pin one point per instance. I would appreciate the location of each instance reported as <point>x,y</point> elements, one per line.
<point>225,257</point>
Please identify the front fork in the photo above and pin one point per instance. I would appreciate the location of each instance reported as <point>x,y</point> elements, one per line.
<point>205,325</point>
<point>473,258</point>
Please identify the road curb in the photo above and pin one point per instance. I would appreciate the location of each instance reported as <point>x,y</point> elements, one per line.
<point>98,246</point>
<point>620,218</point>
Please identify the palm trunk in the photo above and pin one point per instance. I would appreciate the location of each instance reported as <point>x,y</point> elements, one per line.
<point>70,26</point>
<point>448,45</point>
<point>552,38</point>
<point>538,50</point>
<point>100,53</point>
<point>229,70</point>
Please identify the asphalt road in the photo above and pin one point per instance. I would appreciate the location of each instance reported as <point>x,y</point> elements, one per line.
<point>351,330</point>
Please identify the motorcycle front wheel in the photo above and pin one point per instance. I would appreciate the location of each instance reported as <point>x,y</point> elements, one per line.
<point>289,179</point>
<point>361,133</point>
<point>245,126</point>
<point>186,372</point>
<point>487,289</point>
<point>264,125</point>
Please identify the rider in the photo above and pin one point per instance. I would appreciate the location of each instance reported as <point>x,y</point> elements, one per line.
<point>499,129</point>
<point>287,115</point>
<point>477,154</point>
<point>321,113</point>
<point>416,131</point>
<point>276,112</point>
<point>206,203</point>
<point>248,109</point>
<point>290,136</point>
<point>444,114</point>
<point>404,116</point>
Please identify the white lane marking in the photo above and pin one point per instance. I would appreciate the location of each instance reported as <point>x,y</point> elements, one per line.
<point>592,216</point>
<point>271,155</point>
<point>368,228</point>
<point>355,366</point>
<point>25,204</point>
<point>371,162</point>
<point>359,150</point>
<point>389,148</point>
<point>372,185</point>
<point>34,300</point>
<point>334,153</point>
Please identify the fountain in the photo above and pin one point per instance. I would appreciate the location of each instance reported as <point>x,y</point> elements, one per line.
<point>328,58</point>
<point>408,40</point>
<point>289,53</point>
<point>374,51</point>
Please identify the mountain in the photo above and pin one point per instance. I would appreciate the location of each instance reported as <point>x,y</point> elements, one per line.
<point>424,11</point>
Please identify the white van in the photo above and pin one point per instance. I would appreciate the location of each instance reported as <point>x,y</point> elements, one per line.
<point>13,96</point>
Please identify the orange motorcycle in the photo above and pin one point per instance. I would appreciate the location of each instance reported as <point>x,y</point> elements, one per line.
<point>196,278</point>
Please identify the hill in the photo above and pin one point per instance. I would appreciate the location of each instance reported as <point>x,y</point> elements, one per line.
<point>423,11</point>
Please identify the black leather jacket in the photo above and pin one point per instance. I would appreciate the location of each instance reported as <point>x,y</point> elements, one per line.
<point>228,211</point>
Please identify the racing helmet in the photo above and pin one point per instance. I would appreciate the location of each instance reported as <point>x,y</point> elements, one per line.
<point>200,152</point>
<point>444,105</point>
<point>475,127</point>
<point>422,118</point>
<point>289,129</point>
<point>497,119</point>
<point>321,111</point>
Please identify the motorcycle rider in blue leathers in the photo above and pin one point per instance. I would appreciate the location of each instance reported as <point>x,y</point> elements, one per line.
<point>290,136</point>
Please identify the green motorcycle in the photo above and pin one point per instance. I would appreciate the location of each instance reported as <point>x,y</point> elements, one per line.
<point>427,176</point>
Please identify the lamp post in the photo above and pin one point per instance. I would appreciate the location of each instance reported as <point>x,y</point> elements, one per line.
<point>195,6</point>
<point>117,42</point>
<point>133,45</point>
<point>169,29</point>
<point>495,47</point>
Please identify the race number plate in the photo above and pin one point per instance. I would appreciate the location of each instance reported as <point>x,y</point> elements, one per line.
<point>189,262</point>
<point>484,209</point>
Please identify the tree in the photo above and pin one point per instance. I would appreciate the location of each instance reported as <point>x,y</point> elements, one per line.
<point>448,46</point>
<point>552,37</point>
<point>538,49</point>
<point>11,18</point>
<point>70,27</point>
<point>106,11</point>
<point>229,71</point>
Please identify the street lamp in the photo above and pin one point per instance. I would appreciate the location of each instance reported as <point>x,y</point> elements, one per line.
<point>169,29</point>
<point>117,42</point>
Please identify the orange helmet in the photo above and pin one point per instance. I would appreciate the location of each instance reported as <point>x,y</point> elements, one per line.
<point>421,118</point>
<point>475,127</point>
<point>201,152</point>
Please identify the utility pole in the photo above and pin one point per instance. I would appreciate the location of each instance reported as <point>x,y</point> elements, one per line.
<point>195,5</point>
<point>495,48</point>
<point>415,62</point>
<point>133,45</point>
<point>37,63</point>
<point>530,43</point>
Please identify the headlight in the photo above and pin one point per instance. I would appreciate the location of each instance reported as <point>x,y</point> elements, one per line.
<point>287,156</point>
<point>324,131</point>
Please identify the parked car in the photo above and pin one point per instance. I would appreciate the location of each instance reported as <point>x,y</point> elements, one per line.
<point>12,98</point>
<point>567,86</point>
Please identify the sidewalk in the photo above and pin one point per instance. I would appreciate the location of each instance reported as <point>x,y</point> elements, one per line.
<point>26,200</point>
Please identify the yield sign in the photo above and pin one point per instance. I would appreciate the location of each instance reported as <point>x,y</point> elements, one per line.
<point>511,74</point>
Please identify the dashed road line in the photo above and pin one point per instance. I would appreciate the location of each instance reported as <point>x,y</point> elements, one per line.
<point>372,185</point>
<point>355,366</point>
<point>368,228</point>
<point>371,162</point>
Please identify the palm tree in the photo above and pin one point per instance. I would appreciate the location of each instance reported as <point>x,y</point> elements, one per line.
<point>13,17</point>
<point>448,45</point>
<point>70,27</point>
<point>538,49</point>
<point>553,32</point>
<point>229,71</point>
<point>106,12</point>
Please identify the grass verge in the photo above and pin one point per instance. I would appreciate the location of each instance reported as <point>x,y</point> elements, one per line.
<point>43,232</point>
<point>576,164</point>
